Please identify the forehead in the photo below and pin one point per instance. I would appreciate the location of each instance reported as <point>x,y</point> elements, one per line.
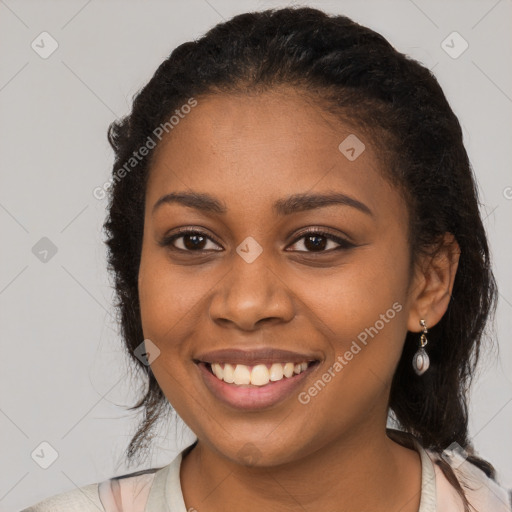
<point>250,148</point>
<point>279,122</point>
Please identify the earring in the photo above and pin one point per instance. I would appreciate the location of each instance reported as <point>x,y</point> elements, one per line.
<point>421,361</point>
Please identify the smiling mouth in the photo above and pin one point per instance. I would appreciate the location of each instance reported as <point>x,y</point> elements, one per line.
<point>258,375</point>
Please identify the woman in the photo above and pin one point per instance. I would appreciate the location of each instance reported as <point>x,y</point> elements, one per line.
<point>298,253</point>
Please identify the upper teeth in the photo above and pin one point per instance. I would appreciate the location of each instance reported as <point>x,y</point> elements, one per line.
<point>258,375</point>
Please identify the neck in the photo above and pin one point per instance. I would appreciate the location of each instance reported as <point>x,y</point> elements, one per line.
<point>363,471</point>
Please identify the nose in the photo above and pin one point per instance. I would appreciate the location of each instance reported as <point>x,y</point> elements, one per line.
<point>251,294</point>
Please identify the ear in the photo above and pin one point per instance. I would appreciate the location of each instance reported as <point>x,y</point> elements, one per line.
<point>432,284</point>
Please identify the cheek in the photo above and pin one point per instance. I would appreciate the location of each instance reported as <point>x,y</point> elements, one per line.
<point>169,302</point>
<point>367,325</point>
<point>169,296</point>
<point>363,305</point>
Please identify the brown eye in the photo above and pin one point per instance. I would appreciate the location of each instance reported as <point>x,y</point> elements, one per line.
<point>318,241</point>
<point>192,241</point>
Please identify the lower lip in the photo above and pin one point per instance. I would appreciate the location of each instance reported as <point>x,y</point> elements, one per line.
<point>250,397</point>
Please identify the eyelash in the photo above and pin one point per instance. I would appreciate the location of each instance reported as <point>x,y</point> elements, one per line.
<point>343,244</point>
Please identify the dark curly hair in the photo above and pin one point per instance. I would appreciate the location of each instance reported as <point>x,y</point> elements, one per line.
<point>355,73</point>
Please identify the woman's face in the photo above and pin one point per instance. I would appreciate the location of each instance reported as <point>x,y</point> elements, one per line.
<point>253,287</point>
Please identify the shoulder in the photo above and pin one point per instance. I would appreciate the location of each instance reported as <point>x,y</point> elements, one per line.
<point>125,493</point>
<point>83,499</point>
<point>483,493</point>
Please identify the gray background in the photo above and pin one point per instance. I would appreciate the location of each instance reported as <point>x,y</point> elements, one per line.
<point>64,377</point>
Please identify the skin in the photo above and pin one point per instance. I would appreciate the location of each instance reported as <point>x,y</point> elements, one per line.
<point>248,152</point>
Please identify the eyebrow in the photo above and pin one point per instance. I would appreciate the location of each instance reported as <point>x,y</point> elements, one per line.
<point>286,206</point>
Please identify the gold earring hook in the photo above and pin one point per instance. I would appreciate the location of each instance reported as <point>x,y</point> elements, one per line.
<point>423,338</point>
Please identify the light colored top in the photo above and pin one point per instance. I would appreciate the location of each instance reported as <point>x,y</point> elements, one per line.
<point>159,490</point>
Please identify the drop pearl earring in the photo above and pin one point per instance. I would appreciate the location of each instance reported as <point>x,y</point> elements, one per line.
<point>421,361</point>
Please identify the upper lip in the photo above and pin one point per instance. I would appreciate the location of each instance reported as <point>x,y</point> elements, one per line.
<point>266,355</point>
